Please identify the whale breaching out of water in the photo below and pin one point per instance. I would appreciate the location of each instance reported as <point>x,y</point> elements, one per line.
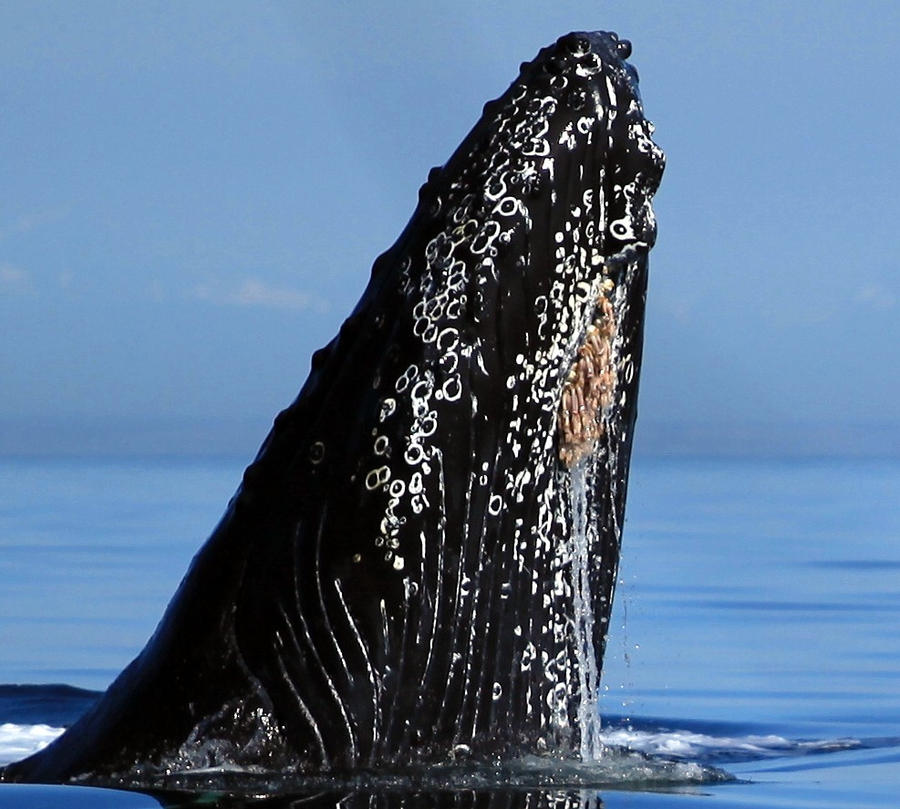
<point>419,564</point>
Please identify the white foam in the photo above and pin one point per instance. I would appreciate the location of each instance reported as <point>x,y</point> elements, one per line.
<point>19,741</point>
<point>686,744</point>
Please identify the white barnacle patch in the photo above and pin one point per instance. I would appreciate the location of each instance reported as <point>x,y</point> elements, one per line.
<point>485,238</point>
<point>414,454</point>
<point>640,132</point>
<point>428,424</point>
<point>496,188</point>
<point>406,378</point>
<point>549,166</point>
<point>448,341</point>
<point>583,293</point>
<point>611,90</point>
<point>585,125</point>
<point>316,453</point>
<point>622,229</point>
<point>508,206</point>
<point>455,307</point>
<point>449,365</point>
<point>388,406</point>
<point>378,477</point>
<point>419,397</point>
<point>567,137</point>
<point>626,367</point>
<point>451,390</point>
<point>589,66</point>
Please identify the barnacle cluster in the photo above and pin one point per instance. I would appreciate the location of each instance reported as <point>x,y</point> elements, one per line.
<point>589,387</point>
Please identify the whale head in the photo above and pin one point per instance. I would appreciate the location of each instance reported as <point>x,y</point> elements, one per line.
<point>460,451</point>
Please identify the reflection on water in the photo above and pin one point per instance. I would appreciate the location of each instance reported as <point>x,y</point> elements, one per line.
<point>456,799</point>
<point>26,797</point>
<point>618,769</point>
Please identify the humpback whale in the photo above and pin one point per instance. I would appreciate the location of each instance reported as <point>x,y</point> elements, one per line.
<point>419,564</point>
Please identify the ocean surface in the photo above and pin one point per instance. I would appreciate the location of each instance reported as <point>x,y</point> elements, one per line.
<point>756,630</point>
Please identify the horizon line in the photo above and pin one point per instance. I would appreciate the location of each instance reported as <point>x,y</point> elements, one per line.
<point>182,436</point>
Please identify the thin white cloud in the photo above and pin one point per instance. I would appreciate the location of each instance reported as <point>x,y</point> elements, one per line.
<point>253,292</point>
<point>681,309</point>
<point>14,279</point>
<point>876,296</point>
<point>31,221</point>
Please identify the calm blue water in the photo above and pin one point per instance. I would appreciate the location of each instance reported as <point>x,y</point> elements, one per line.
<point>757,623</point>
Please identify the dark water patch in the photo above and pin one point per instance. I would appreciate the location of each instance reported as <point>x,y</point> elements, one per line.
<point>31,797</point>
<point>61,620</point>
<point>863,757</point>
<point>791,695</point>
<point>855,564</point>
<point>57,705</point>
<point>769,606</point>
<point>662,590</point>
<point>39,796</point>
<point>129,551</point>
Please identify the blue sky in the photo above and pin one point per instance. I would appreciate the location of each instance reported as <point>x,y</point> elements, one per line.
<point>193,195</point>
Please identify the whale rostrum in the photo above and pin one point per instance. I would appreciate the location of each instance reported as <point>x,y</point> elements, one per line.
<point>419,564</point>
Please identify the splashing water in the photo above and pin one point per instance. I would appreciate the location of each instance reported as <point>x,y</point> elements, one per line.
<point>588,673</point>
<point>18,741</point>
